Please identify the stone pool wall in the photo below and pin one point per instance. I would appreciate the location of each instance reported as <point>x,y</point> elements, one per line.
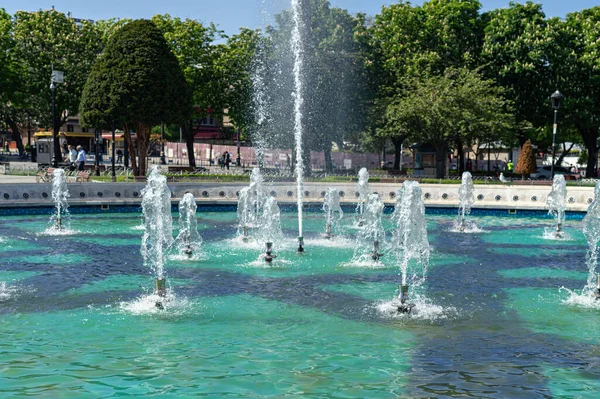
<point>435,195</point>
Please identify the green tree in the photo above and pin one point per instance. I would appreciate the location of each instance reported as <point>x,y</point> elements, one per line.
<point>135,84</point>
<point>578,75</point>
<point>36,41</point>
<point>527,163</point>
<point>517,50</point>
<point>198,57</point>
<point>412,42</point>
<point>443,109</point>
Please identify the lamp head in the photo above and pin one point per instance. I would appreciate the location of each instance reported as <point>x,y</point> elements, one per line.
<point>557,98</point>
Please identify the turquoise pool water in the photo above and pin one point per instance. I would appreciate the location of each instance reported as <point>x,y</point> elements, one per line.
<point>495,323</point>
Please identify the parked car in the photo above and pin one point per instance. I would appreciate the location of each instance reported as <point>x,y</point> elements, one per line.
<point>545,173</point>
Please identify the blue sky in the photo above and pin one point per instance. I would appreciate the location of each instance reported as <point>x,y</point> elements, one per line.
<point>229,15</point>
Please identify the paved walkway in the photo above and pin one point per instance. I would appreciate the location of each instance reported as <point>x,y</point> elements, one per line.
<point>16,179</point>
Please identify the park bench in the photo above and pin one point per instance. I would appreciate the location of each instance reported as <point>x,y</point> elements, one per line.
<point>81,176</point>
<point>45,175</point>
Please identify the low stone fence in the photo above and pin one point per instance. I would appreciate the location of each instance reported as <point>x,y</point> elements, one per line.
<point>434,195</point>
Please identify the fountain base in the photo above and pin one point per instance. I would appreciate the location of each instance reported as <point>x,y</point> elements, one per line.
<point>404,306</point>
<point>269,255</point>
<point>328,234</point>
<point>376,255</point>
<point>160,289</point>
<point>300,244</point>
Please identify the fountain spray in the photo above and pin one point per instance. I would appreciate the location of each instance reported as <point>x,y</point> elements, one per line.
<point>188,240</point>
<point>270,226</point>
<point>591,231</point>
<point>60,193</point>
<point>557,200</point>
<point>331,205</point>
<point>409,240</point>
<point>298,51</point>
<point>158,223</point>
<point>363,194</point>
<point>466,193</point>
<point>371,234</point>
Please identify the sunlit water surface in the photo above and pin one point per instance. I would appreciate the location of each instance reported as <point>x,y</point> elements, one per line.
<point>498,318</point>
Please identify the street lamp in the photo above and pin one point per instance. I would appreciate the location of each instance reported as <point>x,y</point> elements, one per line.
<point>56,77</point>
<point>557,98</point>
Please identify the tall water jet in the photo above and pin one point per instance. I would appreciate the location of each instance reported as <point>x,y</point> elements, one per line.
<point>298,51</point>
<point>371,235</point>
<point>557,200</point>
<point>158,224</point>
<point>270,226</point>
<point>331,205</point>
<point>591,231</point>
<point>409,240</point>
<point>60,193</point>
<point>188,240</point>
<point>363,193</point>
<point>466,194</point>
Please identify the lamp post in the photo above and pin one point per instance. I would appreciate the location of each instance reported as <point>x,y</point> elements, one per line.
<point>56,77</point>
<point>557,98</point>
<point>238,158</point>
<point>96,158</point>
<point>113,176</point>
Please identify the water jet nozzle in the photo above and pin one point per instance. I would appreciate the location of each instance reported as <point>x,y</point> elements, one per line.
<point>245,233</point>
<point>188,250</point>
<point>160,289</point>
<point>269,255</point>
<point>300,244</point>
<point>376,255</point>
<point>597,290</point>
<point>328,234</point>
<point>404,307</point>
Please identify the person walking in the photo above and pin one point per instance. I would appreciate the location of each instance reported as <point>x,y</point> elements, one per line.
<point>81,155</point>
<point>72,157</point>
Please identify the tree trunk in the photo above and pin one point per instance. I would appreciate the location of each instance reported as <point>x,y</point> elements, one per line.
<point>16,135</point>
<point>590,137</point>
<point>189,143</point>
<point>563,154</point>
<point>397,142</point>
<point>440,159</point>
<point>143,135</point>
<point>328,163</point>
<point>461,157</point>
<point>127,134</point>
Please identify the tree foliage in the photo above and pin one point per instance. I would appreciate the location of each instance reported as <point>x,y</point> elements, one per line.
<point>136,83</point>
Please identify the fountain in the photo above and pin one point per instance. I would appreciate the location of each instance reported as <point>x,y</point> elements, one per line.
<point>557,204</point>
<point>250,204</point>
<point>467,199</point>
<point>591,231</point>
<point>60,193</point>
<point>409,239</point>
<point>331,205</point>
<point>371,233</point>
<point>297,50</point>
<point>188,240</point>
<point>270,227</point>
<point>158,234</point>
<point>363,193</point>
